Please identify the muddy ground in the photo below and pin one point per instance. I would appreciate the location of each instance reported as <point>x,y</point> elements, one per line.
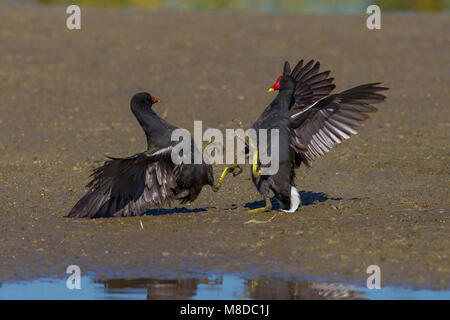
<point>380,198</point>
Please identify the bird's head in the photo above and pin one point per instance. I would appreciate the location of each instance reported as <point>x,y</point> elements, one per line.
<point>143,99</point>
<point>285,81</point>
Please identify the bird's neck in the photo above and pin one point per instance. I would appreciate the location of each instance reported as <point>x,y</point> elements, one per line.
<point>152,125</point>
<point>145,117</point>
<point>284,99</point>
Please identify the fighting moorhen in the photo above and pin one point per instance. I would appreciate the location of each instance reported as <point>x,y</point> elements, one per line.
<point>130,186</point>
<point>310,122</point>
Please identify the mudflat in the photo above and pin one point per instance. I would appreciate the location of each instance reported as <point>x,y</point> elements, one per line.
<point>380,198</point>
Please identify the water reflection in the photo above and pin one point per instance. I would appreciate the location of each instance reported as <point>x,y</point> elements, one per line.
<point>156,289</point>
<point>276,289</point>
<point>224,287</point>
<point>273,6</point>
<point>230,287</point>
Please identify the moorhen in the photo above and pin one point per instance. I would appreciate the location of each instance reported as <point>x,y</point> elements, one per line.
<point>130,186</point>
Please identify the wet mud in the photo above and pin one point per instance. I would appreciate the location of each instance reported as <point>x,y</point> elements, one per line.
<point>380,198</point>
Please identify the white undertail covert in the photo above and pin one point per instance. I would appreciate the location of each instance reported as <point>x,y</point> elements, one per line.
<point>295,200</point>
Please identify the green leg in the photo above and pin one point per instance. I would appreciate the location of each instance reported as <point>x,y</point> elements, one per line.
<point>235,170</point>
<point>266,208</point>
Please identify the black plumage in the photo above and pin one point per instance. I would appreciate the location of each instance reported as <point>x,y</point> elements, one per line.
<point>310,123</point>
<point>130,186</point>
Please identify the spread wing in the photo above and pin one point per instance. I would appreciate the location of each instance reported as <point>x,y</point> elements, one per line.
<point>310,84</point>
<point>128,186</point>
<point>318,127</point>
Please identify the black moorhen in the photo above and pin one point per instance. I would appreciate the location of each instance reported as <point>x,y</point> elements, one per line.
<point>130,186</point>
<point>310,122</point>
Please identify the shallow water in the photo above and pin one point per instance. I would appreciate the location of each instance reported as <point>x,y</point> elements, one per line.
<point>229,287</point>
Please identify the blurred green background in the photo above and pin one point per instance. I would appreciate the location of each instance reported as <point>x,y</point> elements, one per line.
<point>272,6</point>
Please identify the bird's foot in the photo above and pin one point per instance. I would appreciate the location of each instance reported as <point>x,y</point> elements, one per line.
<point>266,208</point>
<point>235,170</point>
<point>216,187</point>
<point>262,209</point>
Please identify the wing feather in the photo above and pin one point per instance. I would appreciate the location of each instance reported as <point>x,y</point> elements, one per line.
<point>316,128</point>
<point>128,186</point>
<point>311,85</point>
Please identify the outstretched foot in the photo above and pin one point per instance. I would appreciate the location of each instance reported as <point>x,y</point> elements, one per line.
<point>266,208</point>
<point>262,209</point>
<point>235,170</point>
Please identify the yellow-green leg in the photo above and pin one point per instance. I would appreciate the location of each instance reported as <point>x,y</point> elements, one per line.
<point>255,171</point>
<point>234,169</point>
<point>266,208</point>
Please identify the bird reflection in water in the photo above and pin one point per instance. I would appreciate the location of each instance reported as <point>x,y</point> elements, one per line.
<point>258,289</point>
